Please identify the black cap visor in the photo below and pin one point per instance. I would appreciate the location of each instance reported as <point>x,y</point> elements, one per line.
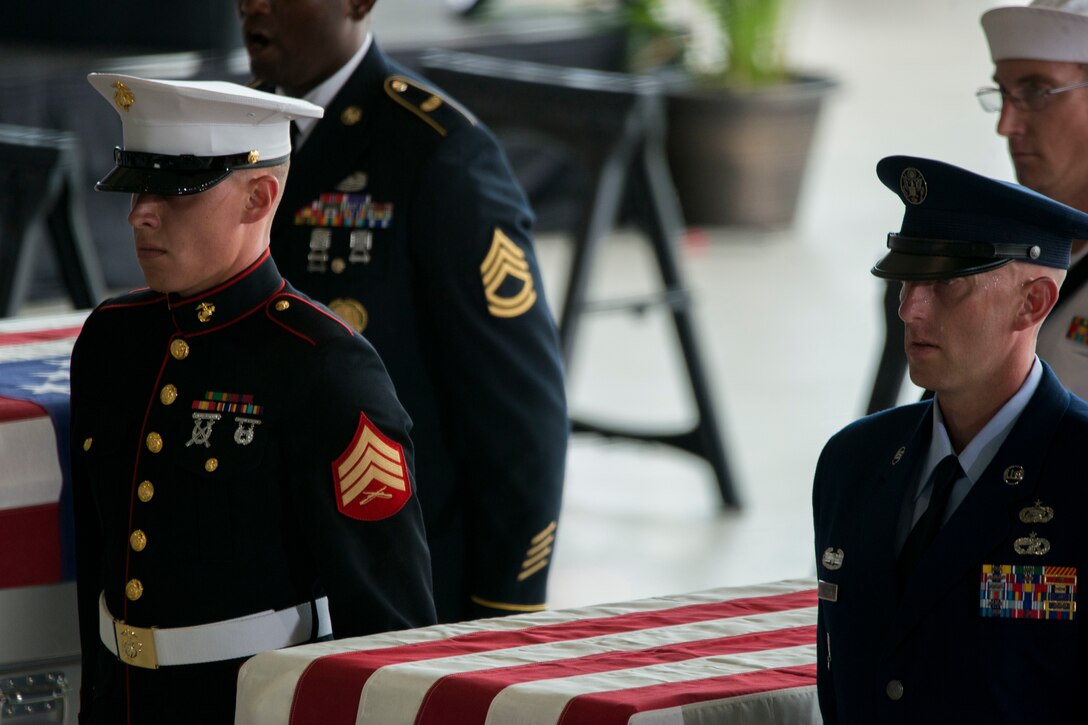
<point>908,267</point>
<point>160,181</point>
<point>913,258</point>
<point>142,173</point>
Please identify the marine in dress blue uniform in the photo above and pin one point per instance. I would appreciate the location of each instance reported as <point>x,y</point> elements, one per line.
<point>242,469</point>
<point>401,213</point>
<point>985,627</point>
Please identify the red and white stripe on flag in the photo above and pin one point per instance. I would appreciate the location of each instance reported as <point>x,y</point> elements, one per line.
<point>34,356</point>
<point>748,651</point>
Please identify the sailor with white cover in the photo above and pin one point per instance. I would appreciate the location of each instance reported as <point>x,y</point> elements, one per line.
<point>1040,52</point>
<point>242,472</point>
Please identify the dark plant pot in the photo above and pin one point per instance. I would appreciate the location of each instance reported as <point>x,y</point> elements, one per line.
<point>738,156</point>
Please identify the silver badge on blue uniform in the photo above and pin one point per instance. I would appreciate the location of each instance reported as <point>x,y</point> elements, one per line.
<point>832,558</point>
<point>1037,514</point>
<point>1031,545</point>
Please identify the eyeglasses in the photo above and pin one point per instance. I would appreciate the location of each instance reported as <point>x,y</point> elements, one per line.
<point>1030,97</point>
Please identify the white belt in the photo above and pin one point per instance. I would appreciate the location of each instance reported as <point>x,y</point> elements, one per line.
<point>152,647</point>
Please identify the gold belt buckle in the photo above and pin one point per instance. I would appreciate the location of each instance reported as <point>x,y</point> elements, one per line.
<point>136,645</point>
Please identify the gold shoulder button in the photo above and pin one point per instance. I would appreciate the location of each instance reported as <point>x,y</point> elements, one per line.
<point>282,305</point>
<point>423,101</point>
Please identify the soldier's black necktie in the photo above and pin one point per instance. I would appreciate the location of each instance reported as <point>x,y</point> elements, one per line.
<point>946,474</point>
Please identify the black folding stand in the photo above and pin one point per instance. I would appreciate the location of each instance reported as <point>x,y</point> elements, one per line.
<point>892,367</point>
<point>40,192</point>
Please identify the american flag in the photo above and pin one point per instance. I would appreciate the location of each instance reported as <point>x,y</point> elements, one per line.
<point>35,486</point>
<point>725,655</point>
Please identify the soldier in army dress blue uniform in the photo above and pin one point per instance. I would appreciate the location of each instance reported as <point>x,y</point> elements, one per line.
<point>950,533</point>
<point>402,215</point>
<point>242,469</point>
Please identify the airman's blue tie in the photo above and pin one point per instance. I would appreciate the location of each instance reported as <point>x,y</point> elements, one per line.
<point>945,475</point>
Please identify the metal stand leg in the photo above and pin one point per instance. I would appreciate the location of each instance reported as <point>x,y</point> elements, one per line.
<point>616,124</point>
<point>40,170</point>
<point>637,167</point>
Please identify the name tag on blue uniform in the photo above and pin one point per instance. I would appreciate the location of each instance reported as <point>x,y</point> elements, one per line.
<point>827,591</point>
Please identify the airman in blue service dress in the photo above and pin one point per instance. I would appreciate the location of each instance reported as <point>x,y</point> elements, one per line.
<point>402,215</point>
<point>242,471</point>
<point>986,629</point>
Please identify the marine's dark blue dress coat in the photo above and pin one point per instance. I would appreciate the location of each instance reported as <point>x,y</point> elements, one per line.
<point>242,524</point>
<point>930,655</point>
<point>442,278</point>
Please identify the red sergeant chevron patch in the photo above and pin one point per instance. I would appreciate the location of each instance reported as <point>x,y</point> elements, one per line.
<point>371,476</point>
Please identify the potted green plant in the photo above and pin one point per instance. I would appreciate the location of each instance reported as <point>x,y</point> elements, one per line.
<point>741,122</point>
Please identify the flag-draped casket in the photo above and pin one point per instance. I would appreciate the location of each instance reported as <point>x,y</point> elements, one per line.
<point>39,636</point>
<point>35,490</point>
<point>745,655</point>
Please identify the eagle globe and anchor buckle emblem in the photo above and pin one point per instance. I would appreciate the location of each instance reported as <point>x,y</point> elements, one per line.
<point>136,645</point>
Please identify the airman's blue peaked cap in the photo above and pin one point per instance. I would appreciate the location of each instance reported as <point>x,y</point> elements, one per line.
<point>958,223</point>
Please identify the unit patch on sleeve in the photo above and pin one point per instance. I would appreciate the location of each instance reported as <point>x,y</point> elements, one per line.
<point>1028,592</point>
<point>508,281</point>
<point>371,476</point>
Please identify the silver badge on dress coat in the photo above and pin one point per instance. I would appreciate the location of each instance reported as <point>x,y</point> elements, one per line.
<point>243,434</point>
<point>202,429</point>
<point>832,558</point>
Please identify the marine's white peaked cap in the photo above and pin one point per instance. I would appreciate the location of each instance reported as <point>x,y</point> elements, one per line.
<point>1052,30</point>
<point>182,137</point>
